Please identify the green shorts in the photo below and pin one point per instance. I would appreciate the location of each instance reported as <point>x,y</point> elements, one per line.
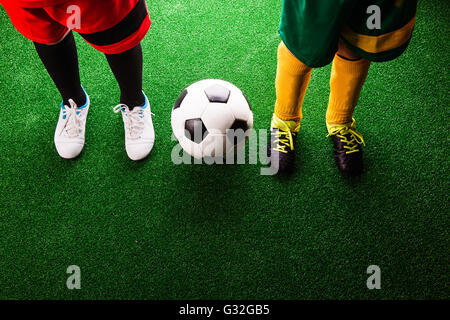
<point>311,29</point>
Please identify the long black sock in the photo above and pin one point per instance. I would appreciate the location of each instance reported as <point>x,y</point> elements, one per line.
<point>61,62</point>
<point>127,68</point>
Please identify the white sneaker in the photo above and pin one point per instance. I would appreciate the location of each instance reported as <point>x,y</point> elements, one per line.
<point>139,131</point>
<point>69,133</point>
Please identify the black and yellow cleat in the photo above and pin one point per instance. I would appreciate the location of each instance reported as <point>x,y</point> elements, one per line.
<point>347,149</point>
<point>281,145</point>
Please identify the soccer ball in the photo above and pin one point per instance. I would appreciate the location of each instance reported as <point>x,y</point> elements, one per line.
<point>211,118</point>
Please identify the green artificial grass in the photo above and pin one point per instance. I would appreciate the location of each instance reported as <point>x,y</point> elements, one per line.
<point>155,230</point>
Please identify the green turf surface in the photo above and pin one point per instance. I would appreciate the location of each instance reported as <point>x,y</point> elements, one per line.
<point>152,229</point>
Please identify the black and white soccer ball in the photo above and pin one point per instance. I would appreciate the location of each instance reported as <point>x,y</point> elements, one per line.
<point>211,118</point>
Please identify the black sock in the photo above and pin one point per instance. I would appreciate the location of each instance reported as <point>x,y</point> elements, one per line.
<point>61,62</point>
<point>127,68</point>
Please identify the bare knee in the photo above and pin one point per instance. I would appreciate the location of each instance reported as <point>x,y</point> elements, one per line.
<point>346,52</point>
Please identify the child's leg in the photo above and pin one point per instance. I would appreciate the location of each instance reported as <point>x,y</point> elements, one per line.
<point>348,75</point>
<point>61,62</point>
<point>291,83</point>
<point>127,68</point>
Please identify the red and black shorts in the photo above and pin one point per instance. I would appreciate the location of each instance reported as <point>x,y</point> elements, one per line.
<point>110,26</point>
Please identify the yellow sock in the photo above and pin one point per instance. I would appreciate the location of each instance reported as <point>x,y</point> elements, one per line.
<point>347,79</point>
<point>291,83</point>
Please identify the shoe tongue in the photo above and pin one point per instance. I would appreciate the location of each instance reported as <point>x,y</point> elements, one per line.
<point>293,125</point>
<point>136,111</point>
<point>285,125</point>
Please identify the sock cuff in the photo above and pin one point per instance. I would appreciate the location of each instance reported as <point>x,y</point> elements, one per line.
<point>350,66</point>
<point>287,116</point>
<point>289,62</point>
<point>338,113</point>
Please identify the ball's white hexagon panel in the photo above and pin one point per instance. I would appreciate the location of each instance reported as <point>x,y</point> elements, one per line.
<point>194,104</point>
<point>217,118</point>
<point>239,105</point>
<point>214,146</point>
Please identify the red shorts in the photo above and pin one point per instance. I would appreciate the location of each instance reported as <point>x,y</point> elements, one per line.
<point>110,26</point>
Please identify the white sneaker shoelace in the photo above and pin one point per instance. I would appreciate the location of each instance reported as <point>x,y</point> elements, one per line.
<point>71,116</point>
<point>134,120</point>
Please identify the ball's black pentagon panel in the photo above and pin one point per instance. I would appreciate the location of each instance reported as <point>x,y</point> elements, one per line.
<point>217,93</point>
<point>239,124</point>
<point>196,130</point>
<point>180,99</point>
<point>237,136</point>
